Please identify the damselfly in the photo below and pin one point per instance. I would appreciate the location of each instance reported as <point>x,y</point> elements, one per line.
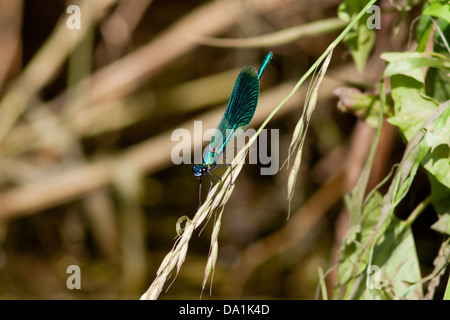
<point>239,113</point>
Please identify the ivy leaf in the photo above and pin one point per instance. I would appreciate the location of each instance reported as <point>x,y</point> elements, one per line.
<point>439,9</point>
<point>443,224</point>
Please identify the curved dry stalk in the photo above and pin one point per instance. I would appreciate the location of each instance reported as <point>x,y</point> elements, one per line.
<point>276,38</point>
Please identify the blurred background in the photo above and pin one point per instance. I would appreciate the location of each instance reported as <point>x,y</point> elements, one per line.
<point>86,117</point>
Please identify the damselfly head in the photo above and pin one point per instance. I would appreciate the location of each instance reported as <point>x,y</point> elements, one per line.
<point>199,170</point>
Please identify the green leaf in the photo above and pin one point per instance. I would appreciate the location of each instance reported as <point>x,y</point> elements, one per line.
<point>403,66</point>
<point>354,255</point>
<point>440,9</point>
<point>397,258</point>
<point>438,132</point>
<point>361,39</point>
<point>438,164</point>
<point>440,196</point>
<point>411,106</point>
<point>437,138</point>
<point>447,290</point>
<point>394,256</point>
<point>438,84</point>
<point>443,224</point>
<point>380,239</point>
<point>396,58</point>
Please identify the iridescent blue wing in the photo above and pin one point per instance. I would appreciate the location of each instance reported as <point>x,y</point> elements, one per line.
<point>239,112</point>
<point>243,101</point>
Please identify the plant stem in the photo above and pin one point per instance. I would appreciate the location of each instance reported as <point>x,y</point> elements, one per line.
<point>418,210</point>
